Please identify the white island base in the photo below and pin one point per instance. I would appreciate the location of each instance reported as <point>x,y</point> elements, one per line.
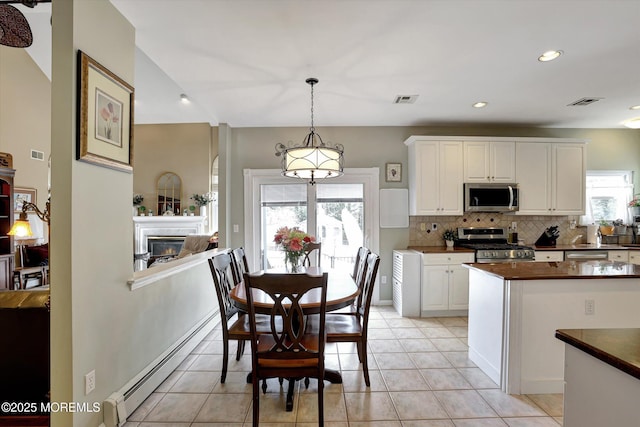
<point>512,324</point>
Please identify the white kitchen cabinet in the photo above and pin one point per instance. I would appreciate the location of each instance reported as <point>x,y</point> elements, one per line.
<point>549,256</point>
<point>435,177</point>
<point>634,257</point>
<point>551,178</point>
<point>620,256</point>
<point>445,283</point>
<point>435,287</point>
<point>490,161</point>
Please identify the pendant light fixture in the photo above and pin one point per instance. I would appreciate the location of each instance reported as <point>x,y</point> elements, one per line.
<point>313,159</point>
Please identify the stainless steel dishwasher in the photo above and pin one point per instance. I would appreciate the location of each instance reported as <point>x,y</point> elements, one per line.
<point>586,255</point>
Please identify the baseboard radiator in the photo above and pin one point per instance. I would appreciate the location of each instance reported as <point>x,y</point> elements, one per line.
<point>117,407</point>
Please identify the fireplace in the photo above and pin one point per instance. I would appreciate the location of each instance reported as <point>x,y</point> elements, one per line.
<point>146,227</point>
<point>164,245</point>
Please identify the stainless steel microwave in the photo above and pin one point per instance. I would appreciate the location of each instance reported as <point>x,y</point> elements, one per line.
<point>491,197</point>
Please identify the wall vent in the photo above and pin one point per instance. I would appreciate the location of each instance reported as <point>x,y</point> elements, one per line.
<point>405,99</point>
<point>584,101</point>
<point>37,155</point>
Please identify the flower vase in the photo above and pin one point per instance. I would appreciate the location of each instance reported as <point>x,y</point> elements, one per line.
<point>203,211</point>
<point>449,243</point>
<point>293,262</point>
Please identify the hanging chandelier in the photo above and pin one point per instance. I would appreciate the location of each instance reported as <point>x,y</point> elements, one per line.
<point>312,159</point>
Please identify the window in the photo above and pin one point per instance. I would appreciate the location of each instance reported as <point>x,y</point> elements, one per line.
<point>608,196</point>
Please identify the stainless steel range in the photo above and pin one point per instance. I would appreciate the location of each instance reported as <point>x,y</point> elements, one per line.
<point>490,244</point>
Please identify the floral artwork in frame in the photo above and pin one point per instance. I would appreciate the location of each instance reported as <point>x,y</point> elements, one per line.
<point>394,172</point>
<point>22,196</point>
<point>105,116</point>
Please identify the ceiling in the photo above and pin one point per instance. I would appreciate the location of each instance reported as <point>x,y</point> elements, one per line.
<point>245,62</point>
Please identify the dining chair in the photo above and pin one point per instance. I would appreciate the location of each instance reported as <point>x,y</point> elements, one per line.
<point>361,261</point>
<point>287,352</point>
<point>310,249</point>
<point>239,264</point>
<point>352,327</point>
<point>234,322</point>
<point>359,270</point>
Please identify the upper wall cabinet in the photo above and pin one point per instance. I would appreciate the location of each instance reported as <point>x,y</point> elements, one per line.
<point>435,177</point>
<point>551,178</point>
<point>490,161</point>
<point>550,172</point>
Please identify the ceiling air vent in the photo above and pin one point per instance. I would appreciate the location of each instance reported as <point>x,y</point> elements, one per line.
<point>405,99</point>
<point>584,101</point>
<point>37,155</point>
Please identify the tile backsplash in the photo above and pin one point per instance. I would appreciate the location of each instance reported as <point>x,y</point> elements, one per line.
<point>529,227</point>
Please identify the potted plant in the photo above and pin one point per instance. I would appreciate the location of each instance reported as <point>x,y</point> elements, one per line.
<point>141,210</point>
<point>606,229</point>
<point>137,201</point>
<point>620,228</point>
<point>634,206</point>
<point>202,200</point>
<point>192,210</point>
<point>449,235</point>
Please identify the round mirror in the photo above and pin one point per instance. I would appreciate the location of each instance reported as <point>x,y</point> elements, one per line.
<point>169,194</point>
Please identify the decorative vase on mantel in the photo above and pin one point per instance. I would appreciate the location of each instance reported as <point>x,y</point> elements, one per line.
<point>203,211</point>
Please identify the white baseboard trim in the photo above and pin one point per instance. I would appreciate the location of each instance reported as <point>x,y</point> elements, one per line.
<point>117,407</point>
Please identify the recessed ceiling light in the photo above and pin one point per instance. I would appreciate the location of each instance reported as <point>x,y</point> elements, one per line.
<point>480,104</point>
<point>184,98</point>
<point>633,123</point>
<point>549,55</point>
<point>634,107</point>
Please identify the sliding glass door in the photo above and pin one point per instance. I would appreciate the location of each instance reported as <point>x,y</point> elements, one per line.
<point>341,213</point>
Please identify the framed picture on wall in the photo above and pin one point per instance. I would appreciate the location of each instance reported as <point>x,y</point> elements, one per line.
<point>394,172</point>
<point>22,196</point>
<point>105,116</point>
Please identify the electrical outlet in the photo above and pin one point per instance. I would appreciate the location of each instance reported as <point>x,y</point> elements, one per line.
<point>90,382</point>
<point>589,307</point>
<point>383,280</point>
<point>514,225</point>
<point>434,226</point>
<point>423,226</point>
<point>236,228</point>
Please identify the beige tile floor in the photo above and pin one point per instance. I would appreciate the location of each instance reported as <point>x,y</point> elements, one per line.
<point>420,377</point>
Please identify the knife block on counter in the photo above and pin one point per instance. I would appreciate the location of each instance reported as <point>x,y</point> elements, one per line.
<point>546,240</point>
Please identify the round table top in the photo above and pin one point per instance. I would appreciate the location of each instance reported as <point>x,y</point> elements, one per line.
<point>341,292</point>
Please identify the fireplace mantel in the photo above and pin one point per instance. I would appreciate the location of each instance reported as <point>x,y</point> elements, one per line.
<point>145,226</point>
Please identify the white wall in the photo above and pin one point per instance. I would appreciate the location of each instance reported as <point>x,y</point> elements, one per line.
<point>97,322</point>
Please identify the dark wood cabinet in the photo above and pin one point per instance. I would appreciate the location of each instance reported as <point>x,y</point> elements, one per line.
<point>6,220</point>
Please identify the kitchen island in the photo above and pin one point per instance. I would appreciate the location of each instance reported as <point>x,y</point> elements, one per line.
<point>515,309</point>
<point>602,374</point>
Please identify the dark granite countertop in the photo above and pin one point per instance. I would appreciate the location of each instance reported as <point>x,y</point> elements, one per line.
<point>586,247</point>
<point>560,270</point>
<point>439,249</point>
<point>619,348</point>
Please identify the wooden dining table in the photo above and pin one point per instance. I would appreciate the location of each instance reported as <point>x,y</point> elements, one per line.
<point>342,291</point>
